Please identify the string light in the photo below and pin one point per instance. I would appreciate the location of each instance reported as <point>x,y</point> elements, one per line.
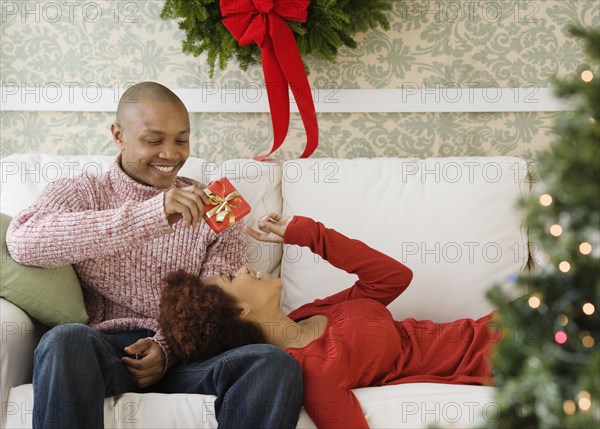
<point>569,407</point>
<point>588,308</point>
<point>585,404</point>
<point>585,248</point>
<point>556,230</point>
<point>585,400</point>
<point>534,301</point>
<point>587,76</point>
<point>564,266</point>
<point>560,337</point>
<point>546,200</point>
<point>562,320</point>
<point>588,341</point>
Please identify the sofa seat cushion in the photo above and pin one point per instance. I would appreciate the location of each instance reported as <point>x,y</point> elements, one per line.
<point>19,338</point>
<point>414,406</point>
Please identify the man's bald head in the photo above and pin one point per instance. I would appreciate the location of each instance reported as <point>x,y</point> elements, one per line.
<point>145,91</point>
<point>152,133</point>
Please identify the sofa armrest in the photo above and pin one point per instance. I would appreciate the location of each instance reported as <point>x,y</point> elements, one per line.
<point>20,335</point>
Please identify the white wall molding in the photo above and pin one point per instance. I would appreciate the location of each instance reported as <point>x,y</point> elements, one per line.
<point>412,98</point>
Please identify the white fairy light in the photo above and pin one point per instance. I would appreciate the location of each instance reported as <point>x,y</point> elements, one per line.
<point>564,266</point>
<point>587,76</point>
<point>556,230</point>
<point>585,248</point>
<point>546,200</point>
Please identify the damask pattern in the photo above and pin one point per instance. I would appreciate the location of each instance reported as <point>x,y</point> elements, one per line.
<point>432,44</point>
<point>243,135</point>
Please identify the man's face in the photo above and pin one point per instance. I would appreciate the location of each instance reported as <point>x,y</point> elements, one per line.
<point>154,139</point>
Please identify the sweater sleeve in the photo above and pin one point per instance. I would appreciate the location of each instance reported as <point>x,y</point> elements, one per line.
<point>380,277</point>
<point>161,340</point>
<point>63,228</point>
<point>227,253</point>
<point>331,406</point>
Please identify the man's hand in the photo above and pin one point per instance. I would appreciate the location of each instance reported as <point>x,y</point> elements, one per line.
<point>149,368</point>
<point>272,228</point>
<point>187,203</point>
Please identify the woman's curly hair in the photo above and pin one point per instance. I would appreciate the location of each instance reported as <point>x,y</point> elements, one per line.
<point>201,320</point>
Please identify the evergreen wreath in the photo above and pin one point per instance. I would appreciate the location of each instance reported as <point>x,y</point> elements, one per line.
<point>330,25</point>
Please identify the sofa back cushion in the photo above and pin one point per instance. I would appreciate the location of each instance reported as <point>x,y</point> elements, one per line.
<point>23,176</point>
<point>51,295</point>
<point>453,221</point>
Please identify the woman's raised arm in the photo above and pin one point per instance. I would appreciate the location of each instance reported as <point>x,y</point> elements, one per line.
<point>380,277</point>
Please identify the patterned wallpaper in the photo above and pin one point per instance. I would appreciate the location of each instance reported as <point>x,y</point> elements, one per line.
<point>432,44</point>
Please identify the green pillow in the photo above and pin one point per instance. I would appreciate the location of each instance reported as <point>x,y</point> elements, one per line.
<point>51,295</point>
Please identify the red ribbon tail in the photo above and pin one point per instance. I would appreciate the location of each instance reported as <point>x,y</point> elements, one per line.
<point>291,63</point>
<point>279,98</point>
<point>282,63</point>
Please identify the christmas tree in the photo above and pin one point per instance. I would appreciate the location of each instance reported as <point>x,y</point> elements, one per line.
<point>547,365</point>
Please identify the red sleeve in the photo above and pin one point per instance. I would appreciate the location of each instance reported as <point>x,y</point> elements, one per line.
<point>330,406</point>
<point>380,277</point>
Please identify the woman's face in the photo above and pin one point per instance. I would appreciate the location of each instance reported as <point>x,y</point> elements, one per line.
<point>250,290</point>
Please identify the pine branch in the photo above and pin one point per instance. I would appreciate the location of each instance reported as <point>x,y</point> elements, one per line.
<point>330,25</point>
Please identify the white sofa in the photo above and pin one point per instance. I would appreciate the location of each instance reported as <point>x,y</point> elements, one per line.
<point>452,220</point>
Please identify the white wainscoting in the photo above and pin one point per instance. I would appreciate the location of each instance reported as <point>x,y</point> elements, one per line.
<point>252,98</point>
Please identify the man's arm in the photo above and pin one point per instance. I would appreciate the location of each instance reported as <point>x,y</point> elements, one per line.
<point>63,228</point>
<point>227,253</point>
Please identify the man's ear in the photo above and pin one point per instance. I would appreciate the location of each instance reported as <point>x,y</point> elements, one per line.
<point>117,134</point>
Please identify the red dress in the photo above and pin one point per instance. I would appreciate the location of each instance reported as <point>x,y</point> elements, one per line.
<point>362,345</point>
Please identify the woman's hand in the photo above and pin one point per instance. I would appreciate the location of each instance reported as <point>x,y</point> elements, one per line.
<point>272,228</point>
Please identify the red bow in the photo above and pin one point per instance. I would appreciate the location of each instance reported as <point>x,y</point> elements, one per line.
<point>263,22</point>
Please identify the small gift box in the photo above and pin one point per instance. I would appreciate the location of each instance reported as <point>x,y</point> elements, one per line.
<point>226,206</point>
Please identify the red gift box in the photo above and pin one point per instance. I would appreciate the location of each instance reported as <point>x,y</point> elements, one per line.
<point>226,206</point>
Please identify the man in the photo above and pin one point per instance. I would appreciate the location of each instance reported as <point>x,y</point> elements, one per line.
<point>123,232</point>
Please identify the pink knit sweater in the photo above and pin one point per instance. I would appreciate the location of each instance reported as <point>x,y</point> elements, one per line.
<point>115,233</point>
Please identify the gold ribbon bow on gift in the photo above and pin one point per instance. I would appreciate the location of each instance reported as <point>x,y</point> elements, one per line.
<point>223,205</point>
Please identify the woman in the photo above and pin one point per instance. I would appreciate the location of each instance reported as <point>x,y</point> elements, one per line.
<point>345,341</point>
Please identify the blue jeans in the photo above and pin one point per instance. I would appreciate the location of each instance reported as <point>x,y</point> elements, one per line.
<point>76,367</point>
